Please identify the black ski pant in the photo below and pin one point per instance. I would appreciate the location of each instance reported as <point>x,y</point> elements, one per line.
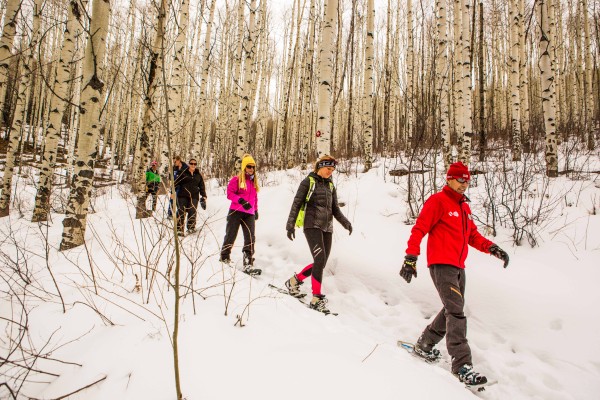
<point>450,321</point>
<point>235,219</point>
<point>152,190</point>
<point>319,243</point>
<point>186,206</point>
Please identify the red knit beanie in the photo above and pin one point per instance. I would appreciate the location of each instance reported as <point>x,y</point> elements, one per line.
<point>458,170</point>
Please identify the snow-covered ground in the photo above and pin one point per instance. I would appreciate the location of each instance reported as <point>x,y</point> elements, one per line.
<point>533,327</point>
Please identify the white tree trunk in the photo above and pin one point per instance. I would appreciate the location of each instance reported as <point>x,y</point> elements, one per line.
<point>148,132</point>
<point>369,85</point>
<point>20,113</point>
<point>547,75</point>
<point>410,60</point>
<point>442,80</point>
<point>326,49</point>
<point>515,50</point>
<point>307,126</point>
<point>457,92</point>
<point>524,78</point>
<point>59,104</point>
<point>6,45</point>
<point>202,125</point>
<point>92,98</point>
<point>245,112</point>
<point>467,111</point>
<point>175,90</point>
<point>589,67</point>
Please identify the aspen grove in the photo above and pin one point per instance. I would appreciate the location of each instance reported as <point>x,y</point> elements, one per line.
<point>82,85</point>
<point>93,92</point>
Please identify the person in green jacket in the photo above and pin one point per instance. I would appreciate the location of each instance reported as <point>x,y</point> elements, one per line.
<point>153,182</point>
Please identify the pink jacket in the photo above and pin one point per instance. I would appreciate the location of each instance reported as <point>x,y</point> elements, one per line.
<point>234,193</point>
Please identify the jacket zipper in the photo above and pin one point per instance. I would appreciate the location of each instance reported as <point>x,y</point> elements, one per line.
<point>327,195</point>
<point>463,228</point>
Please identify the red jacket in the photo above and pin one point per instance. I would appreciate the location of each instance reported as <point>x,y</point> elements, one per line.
<point>446,217</point>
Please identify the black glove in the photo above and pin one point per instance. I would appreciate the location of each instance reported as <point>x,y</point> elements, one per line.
<point>256,215</point>
<point>244,204</point>
<point>203,203</point>
<point>349,228</point>
<point>291,234</point>
<point>409,268</point>
<point>499,253</point>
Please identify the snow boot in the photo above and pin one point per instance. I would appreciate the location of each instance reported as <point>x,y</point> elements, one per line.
<point>427,352</point>
<point>249,266</point>
<point>293,286</point>
<point>469,377</point>
<point>319,303</point>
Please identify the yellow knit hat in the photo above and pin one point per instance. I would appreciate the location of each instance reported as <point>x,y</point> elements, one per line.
<point>247,159</point>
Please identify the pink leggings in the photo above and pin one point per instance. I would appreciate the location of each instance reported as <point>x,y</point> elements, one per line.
<point>319,243</point>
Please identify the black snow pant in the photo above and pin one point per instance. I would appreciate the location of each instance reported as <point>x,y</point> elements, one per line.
<point>319,243</point>
<point>186,206</point>
<point>235,219</point>
<point>450,321</point>
<point>152,190</point>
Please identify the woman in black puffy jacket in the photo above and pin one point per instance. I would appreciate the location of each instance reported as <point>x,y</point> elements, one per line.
<point>317,196</point>
<point>190,188</point>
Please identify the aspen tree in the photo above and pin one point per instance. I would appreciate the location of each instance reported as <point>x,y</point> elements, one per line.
<point>202,125</point>
<point>589,92</point>
<point>306,125</point>
<point>339,65</point>
<point>442,80</point>
<point>175,89</point>
<point>515,45</point>
<point>466,86</point>
<point>57,109</point>
<point>91,100</point>
<point>323,134</point>
<point>524,78</point>
<point>561,69</point>
<point>482,131</point>
<point>6,44</point>
<point>457,92</point>
<point>147,134</point>
<point>20,113</point>
<point>386,80</point>
<point>223,66</point>
<point>396,105</point>
<point>249,49</point>
<point>236,88</point>
<point>368,86</point>
<point>347,142</point>
<point>576,63</point>
<point>546,71</point>
<point>75,111</point>
<point>264,73</point>
<point>286,86</point>
<point>551,6</point>
<point>410,54</point>
<point>255,70</point>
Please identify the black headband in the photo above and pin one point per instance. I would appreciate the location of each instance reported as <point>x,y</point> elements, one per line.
<point>326,163</point>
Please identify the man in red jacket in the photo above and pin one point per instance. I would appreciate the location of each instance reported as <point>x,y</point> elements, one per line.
<point>446,217</point>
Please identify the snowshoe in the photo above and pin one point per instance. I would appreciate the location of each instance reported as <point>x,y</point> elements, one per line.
<point>293,286</point>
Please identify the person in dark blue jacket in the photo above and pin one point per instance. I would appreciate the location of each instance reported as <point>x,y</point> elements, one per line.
<point>189,187</point>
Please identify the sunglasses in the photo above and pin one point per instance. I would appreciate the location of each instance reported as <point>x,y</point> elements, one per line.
<point>251,166</point>
<point>462,180</point>
<point>193,163</point>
